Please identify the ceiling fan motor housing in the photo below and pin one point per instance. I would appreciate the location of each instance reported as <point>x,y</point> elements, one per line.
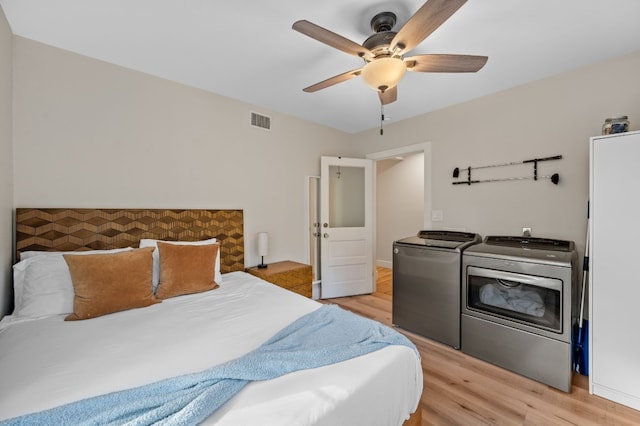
<point>379,43</point>
<point>382,24</point>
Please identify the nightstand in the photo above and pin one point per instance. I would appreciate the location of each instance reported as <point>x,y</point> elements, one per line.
<point>293,276</point>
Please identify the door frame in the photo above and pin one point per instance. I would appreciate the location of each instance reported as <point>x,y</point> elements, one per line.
<point>307,213</point>
<point>425,148</point>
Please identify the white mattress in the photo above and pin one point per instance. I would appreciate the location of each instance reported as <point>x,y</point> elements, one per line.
<point>48,362</point>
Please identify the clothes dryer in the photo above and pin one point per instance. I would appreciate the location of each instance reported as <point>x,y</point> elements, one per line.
<point>519,302</point>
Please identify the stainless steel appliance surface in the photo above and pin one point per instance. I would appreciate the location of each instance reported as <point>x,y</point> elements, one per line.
<point>426,283</point>
<point>519,302</point>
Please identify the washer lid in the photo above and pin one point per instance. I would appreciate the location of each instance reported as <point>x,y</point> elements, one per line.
<point>442,239</point>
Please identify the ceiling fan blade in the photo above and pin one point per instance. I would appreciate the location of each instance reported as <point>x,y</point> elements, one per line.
<point>445,63</point>
<point>388,96</point>
<point>333,80</point>
<point>332,39</point>
<point>426,20</point>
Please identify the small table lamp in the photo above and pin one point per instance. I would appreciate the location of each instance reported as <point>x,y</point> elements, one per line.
<point>263,246</point>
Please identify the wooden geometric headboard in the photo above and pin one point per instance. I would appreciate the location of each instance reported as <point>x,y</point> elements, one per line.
<point>96,229</point>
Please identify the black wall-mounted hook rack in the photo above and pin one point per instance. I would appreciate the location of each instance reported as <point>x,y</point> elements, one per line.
<point>555,178</point>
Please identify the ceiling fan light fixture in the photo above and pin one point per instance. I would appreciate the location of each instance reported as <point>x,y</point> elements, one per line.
<point>383,73</point>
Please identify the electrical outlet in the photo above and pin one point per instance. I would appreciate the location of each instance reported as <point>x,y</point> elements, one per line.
<point>526,232</point>
<point>437,215</point>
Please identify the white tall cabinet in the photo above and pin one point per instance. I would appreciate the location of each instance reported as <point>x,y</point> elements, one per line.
<point>614,284</point>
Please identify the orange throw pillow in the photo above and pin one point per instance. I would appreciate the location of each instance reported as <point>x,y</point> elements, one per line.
<point>107,283</point>
<point>186,269</point>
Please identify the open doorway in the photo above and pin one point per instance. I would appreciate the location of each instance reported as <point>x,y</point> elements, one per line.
<point>399,202</point>
<point>402,196</point>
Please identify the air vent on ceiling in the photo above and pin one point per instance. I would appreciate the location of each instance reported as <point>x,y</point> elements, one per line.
<point>260,121</point>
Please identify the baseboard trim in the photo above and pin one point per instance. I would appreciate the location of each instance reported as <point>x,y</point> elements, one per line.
<point>384,264</point>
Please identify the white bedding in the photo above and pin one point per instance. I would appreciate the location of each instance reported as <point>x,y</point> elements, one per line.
<point>47,362</point>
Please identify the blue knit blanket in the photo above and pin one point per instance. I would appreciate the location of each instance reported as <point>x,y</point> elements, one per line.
<point>322,337</point>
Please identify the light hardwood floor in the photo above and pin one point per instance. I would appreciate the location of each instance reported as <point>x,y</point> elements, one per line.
<point>461,390</point>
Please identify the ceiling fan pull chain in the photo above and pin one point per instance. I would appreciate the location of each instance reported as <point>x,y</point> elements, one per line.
<point>381,119</point>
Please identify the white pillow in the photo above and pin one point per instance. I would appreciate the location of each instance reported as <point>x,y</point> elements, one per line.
<point>42,283</point>
<point>29,254</point>
<point>148,242</point>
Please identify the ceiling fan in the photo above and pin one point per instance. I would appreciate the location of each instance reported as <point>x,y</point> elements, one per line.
<point>383,52</point>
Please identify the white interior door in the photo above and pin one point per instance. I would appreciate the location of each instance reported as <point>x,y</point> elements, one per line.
<point>346,213</point>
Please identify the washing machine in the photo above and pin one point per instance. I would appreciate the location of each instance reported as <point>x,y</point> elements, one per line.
<point>426,283</point>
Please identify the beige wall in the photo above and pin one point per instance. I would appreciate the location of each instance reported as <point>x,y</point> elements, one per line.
<point>6,164</point>
<point>91,134</point>
<point>554,116</point>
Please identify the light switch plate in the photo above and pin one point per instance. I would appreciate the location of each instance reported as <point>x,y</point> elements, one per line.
<point>436,215</point>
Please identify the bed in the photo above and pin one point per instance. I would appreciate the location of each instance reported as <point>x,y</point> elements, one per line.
<point>47,362</point>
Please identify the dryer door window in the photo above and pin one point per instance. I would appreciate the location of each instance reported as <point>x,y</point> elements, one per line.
<point>526,299</point>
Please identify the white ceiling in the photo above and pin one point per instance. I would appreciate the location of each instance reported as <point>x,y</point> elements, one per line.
<point>246,50</point>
